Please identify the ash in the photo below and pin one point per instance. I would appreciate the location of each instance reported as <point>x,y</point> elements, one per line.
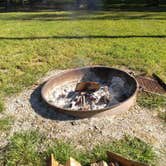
<point>109,94</point>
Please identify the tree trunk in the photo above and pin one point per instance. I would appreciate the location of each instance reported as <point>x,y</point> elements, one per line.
<point>7,3</point>
<point>22,3</point>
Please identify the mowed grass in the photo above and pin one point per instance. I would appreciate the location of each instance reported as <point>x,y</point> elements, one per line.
<point>33,43</point>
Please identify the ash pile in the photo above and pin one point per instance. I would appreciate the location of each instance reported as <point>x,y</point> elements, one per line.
<point>88,96</point>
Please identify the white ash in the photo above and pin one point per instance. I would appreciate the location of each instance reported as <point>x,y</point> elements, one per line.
<point>65,96</point>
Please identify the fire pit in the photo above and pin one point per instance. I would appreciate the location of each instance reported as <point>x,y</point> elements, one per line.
<point>91,91</point>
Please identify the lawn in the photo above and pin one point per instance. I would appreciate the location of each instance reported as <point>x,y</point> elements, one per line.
<point>34,43</point>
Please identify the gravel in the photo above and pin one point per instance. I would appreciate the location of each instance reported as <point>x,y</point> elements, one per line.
<point>30,112</point>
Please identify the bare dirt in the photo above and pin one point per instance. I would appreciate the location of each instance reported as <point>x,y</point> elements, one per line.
<point>30,112</point>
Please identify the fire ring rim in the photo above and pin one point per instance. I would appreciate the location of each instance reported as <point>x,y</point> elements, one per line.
<point>46,84</point>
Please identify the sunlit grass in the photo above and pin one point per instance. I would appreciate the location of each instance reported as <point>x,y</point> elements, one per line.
<point>25,149</point>
<point>24,59</point>
<point>153,102</point>
<point>5,124</point>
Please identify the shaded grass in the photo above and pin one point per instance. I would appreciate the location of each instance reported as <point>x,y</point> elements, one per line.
<point>25,149</point>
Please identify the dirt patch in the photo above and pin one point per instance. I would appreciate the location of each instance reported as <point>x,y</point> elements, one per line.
<point>30,112</point>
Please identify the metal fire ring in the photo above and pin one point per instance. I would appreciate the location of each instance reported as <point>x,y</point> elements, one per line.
<point>102,72</point>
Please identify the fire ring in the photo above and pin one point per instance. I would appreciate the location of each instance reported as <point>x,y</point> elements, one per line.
<point>91,91</point>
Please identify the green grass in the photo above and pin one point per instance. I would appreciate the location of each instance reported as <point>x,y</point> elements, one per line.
<point>132,148</point>
<point>33,43</point>
<point>25,149</point>
<point>5,124</point>
<point>62,151</point>
<point>1,106</point>
<point>153,102</point>
<point>23,61</point>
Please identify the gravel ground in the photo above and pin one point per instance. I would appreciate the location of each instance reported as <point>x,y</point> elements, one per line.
<point>29,112</point>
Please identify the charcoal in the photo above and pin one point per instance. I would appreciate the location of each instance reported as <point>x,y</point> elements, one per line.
<point>103,100</point>
<point>71,94</point>
<point>78,100</point>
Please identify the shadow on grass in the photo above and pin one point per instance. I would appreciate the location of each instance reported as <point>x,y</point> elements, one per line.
<point>82,37</point>
<point>44,110</point>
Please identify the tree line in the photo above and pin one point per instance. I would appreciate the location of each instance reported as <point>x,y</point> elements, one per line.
<point>90,4</point>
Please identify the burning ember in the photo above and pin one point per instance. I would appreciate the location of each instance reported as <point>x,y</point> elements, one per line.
<point>85,96</point>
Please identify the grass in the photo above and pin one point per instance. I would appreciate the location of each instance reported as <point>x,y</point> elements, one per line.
<point>1,106</point>
<point>153,102</point>
<point>62,151</point>
<point>132,148</point>
<point>33,43</point>
<point>24,149</point>
<point>5,124</point>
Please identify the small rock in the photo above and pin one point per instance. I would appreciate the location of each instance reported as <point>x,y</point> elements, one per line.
<point>73,123</point>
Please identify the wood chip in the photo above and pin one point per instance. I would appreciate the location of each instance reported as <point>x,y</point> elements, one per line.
<point>87,86</point>
<point>94,164</point>
<point>53,161</point>
<point>123,161</point>
<point>72,162</point>
<point>102,163</point>
<point>111,164</point>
